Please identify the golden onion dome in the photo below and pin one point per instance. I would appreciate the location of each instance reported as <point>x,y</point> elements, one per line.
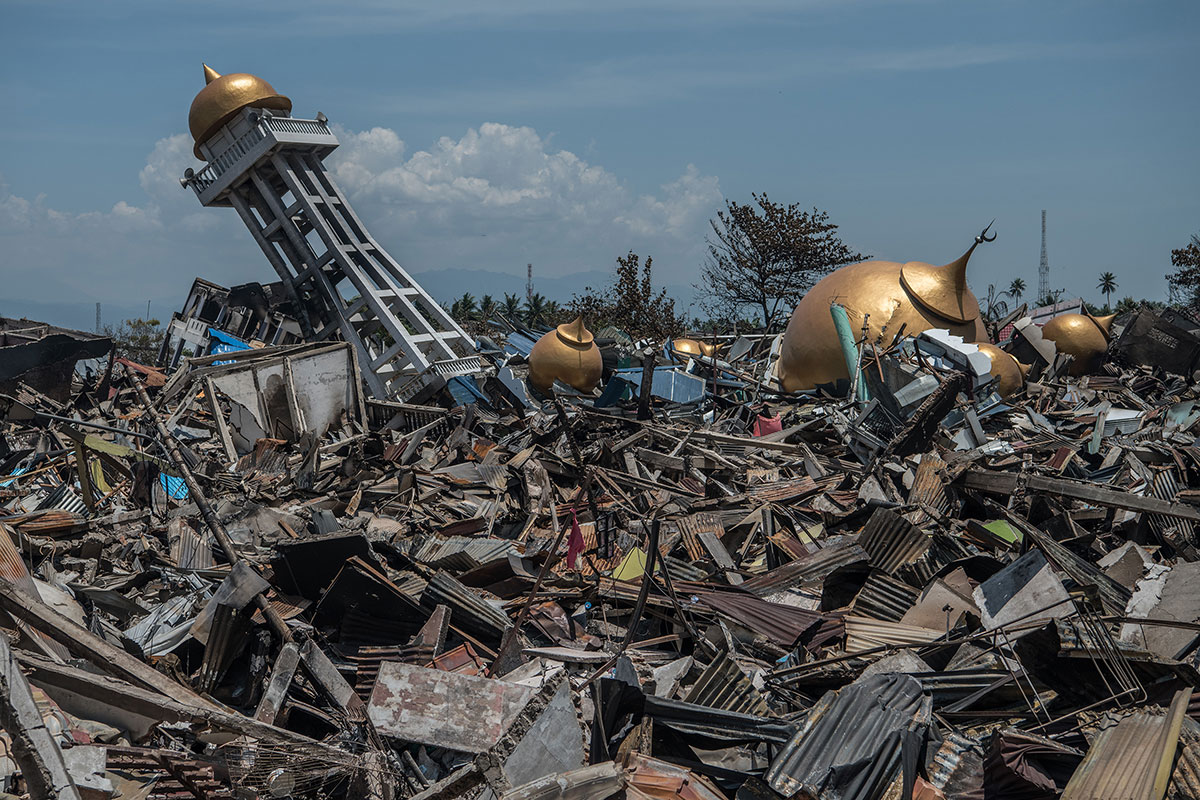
<point>1082,336</point>
<point>568,354</point>
<point>694,347</point>
<point>1009,373</point>
<point>223,97</point>
<point>914,296</point>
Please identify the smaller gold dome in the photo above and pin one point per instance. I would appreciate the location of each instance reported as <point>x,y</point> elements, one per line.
<point>223,97</point>
<point>1009,373</point>
<point>694,347</point>
<point>1081,335</point>
<point>568,354</point>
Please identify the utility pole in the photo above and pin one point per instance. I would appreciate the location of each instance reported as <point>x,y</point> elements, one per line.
<point>529,282</point>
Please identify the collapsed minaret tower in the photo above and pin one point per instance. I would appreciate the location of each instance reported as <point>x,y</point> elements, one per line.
<point>270,167</point>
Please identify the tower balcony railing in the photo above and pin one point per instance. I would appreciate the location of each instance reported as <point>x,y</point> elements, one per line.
<point>264,134</point>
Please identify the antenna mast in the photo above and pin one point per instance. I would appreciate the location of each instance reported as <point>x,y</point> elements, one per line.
<point>1044,266</point>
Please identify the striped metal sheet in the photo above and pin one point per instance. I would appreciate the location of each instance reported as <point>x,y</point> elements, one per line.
<point>724,685</point>
<point>884,597</point>
<point>851,744</point>
<point>809,569</point>
<point>891,540</point>
<point>1131,758</point>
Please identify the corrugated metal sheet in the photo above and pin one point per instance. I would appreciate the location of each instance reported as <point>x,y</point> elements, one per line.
<point>691,527</point>
<point>470,611</point>
<point>1185,780</point>
<point>957,766</point>
<point>724,685</point>
<point>863,633</point>
<point>810,569</point>
<point>851,745</point>
<point>461,552</point>
<point>1131,759</point>
<point>891,540</point>
<point>884,597</point>
<point>780,623</point>
<point>928,488</point>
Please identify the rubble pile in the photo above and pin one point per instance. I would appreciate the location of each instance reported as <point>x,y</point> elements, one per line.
<point>247,579</point>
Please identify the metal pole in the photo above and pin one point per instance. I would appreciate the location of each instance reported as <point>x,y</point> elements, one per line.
<point>197,496</point>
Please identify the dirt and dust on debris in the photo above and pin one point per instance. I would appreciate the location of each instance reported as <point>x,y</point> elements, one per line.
<point>245,577</point>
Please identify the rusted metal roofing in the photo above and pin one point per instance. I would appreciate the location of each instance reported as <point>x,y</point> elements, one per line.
<point>851,744</point>
<point>780,623</point>
<point>724,685</point>
<point>884,597</point>
<point>891,540</point>
<point>814,567</point>
<point>1131,758</point>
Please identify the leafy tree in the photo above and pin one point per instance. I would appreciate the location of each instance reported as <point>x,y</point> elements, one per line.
<point>631,302</point>
<point>1016,289</point>
<point>1107,285</point>
<point>766,255</point>
<point>1185,280</point>
<point>137,339</point>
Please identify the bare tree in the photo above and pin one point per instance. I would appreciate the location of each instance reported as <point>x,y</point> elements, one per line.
<point>766,255</point>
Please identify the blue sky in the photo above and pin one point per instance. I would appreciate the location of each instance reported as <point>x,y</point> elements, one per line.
<point>482,135</point>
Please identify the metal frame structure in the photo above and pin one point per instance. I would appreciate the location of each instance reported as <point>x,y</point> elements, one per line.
<point>270,168</point>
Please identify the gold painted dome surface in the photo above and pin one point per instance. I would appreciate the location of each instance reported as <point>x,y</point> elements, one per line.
<point>1082,336</point>
<point>1009,373</point>
<point>568,354</point>
<point>915,296</point>
<point>224,96</point>
<point>693,347</point>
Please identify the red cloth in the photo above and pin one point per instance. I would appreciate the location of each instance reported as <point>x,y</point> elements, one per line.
<point>764,425</point>
<point>575,543</point>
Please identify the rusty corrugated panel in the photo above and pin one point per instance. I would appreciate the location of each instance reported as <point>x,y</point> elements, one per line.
<point>781,623</point>
<point>928,489</point>
<point>724,685</point>
<point>810,569</point>
<point>851,744</point>
<point>957,766</point>
<point>1185,780</point>
<point>891,540</point>
<point>692,526</point>
<point>783,491</point>
<point>884,597</point>
<point>647,777</point>
<point>167,773</point>
<point>1131,759</point>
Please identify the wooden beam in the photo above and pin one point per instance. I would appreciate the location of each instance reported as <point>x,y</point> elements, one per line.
<point>1006,483</point>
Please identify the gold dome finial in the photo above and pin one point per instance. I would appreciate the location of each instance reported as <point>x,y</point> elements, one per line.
<point>223,96</point>
<point>943,290</point>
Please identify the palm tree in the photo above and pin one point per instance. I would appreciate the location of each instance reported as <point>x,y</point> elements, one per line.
<point>1107,285</point>
<point>1016,289</point>
<point>464,307</point>
<point>511,307</point>
<point>995,307</point>
<point>535,309</point>
<point>487,308</point>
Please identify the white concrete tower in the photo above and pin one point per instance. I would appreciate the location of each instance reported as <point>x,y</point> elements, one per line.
<point>269,166</point>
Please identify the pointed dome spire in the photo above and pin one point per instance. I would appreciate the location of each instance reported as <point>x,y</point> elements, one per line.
<point>1105,324</point>
<point>943,290</point>
<point>223,96</point>
<point>210,74</point>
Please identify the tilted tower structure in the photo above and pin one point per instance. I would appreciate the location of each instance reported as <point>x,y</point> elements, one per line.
<point>269,166</point>
<point>1043,266</point>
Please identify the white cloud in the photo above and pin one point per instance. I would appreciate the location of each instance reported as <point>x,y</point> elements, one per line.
<point>492,199</point>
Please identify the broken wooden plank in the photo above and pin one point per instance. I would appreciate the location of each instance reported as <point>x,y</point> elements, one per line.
<point>1006,483</point>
